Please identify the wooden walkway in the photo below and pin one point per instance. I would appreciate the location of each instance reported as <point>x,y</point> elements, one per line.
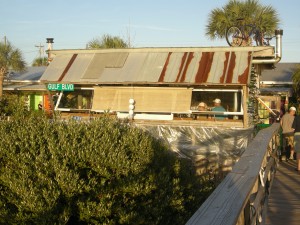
<point>284,199</point>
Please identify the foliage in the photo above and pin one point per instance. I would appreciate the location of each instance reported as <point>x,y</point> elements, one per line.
<point>40,61</point>
<point>107,41</point>
<point>265,17</point>
<point>253,117</point>
<point>12,105</point>
<point>296,82</point>
<point>101,172</point>
<point>10,58</point>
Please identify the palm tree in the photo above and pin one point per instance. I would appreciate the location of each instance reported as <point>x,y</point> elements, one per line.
<point>107,41</point>
<point>264,17</point>
<point>40,61</point>
<point>10,58</point>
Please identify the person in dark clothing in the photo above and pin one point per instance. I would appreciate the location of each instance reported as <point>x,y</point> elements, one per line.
<point>296,126</point>
<point>40,106</point>
<point>287,130</point>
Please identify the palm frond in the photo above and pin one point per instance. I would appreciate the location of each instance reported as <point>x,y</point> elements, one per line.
<point>11,57</point>
<point>107,41</point>
<point>265,17</point>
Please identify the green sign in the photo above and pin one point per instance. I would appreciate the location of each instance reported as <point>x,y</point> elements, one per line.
<point>60,87</point>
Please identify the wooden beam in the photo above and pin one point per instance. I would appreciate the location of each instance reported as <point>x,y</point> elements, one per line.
<point>245,107</point>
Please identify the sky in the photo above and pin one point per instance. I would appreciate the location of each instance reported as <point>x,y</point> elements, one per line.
<point>154,23</point>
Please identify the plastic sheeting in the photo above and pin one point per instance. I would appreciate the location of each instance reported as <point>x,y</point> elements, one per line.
<point>204,145</point>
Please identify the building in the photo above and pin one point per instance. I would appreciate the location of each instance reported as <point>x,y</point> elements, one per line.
<point>159,90</point>
<point>27,84</point>
<point>276,89</point>
<point>164,84</point>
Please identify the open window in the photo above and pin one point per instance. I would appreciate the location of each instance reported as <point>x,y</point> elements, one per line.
<point>231,100</point>
<point>79,100</point>
<point>270,108</point>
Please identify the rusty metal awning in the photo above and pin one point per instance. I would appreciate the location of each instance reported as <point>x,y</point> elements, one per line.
<point>25,87</point>
<point>169,66</point>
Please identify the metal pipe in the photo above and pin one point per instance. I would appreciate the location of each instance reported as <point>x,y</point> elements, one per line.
<point>50,45</point>
<point>50,42</point>
<point>278,50</point>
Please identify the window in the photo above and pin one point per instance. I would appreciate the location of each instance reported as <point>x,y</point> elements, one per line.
<point>80,99</point>
<point>231,100</point>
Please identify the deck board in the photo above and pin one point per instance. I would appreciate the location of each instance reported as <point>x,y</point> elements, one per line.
<point>284,199</point>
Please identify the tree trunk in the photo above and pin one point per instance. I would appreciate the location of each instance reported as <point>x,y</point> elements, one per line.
<point>2,74</point>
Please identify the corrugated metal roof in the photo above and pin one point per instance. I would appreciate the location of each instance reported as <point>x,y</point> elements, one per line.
<point>282,72</point>
<point>57,67</point>
<point>276,90</point>
<point>30,74</point>
<point>172,67</point>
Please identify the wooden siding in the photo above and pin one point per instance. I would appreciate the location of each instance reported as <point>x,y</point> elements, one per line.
<point>147,99</point>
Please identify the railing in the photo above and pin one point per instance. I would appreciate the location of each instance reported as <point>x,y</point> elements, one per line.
<point>241,198</point>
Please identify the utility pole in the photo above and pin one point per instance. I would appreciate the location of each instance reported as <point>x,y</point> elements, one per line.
<point>41,50</point>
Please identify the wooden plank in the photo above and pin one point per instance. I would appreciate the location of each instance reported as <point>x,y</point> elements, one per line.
<point>245,106</point>
<point>284,204</point>
<point>147,99</point>
<point>258,51</point>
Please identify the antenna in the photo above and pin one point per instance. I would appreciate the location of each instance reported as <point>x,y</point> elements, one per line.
<point>128,35</point>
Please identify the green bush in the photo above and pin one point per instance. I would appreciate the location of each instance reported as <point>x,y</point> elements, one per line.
<point>101,172</point>
<point>14,106</point>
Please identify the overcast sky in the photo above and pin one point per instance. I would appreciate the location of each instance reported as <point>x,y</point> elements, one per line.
<point>153,23</point>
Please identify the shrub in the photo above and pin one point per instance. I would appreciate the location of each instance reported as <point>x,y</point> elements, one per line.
<point>101,172</point>
<point>13,105</point>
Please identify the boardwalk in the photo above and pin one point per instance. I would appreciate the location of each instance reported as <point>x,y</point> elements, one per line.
<point>284,200</point>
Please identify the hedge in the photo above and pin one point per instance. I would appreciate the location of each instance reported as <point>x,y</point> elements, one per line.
<point>100,172</point>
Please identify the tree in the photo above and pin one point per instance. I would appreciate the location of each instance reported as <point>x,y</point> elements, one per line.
<point>107,41</point>
<point>264,17</point>
<point>10,58</point>
<point>40,61</point>
<point>296,83</point>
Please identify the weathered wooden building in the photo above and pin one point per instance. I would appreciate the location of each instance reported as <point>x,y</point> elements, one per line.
<point>162,83</point>
<point>276,89</point>
<point>160,88</point>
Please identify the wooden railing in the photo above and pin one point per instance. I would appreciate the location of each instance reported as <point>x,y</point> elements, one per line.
<point>241,198</point>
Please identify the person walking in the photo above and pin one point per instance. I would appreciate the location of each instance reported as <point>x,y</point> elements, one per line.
<point>296,126</point>
<point>287,131</point>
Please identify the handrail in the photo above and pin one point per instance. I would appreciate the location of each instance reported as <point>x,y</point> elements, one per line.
<point>215,112</point>
<point>242,196</point>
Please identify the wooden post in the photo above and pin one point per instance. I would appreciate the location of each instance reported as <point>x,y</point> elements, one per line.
<point>80,101</point>
<point>245,106</point>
